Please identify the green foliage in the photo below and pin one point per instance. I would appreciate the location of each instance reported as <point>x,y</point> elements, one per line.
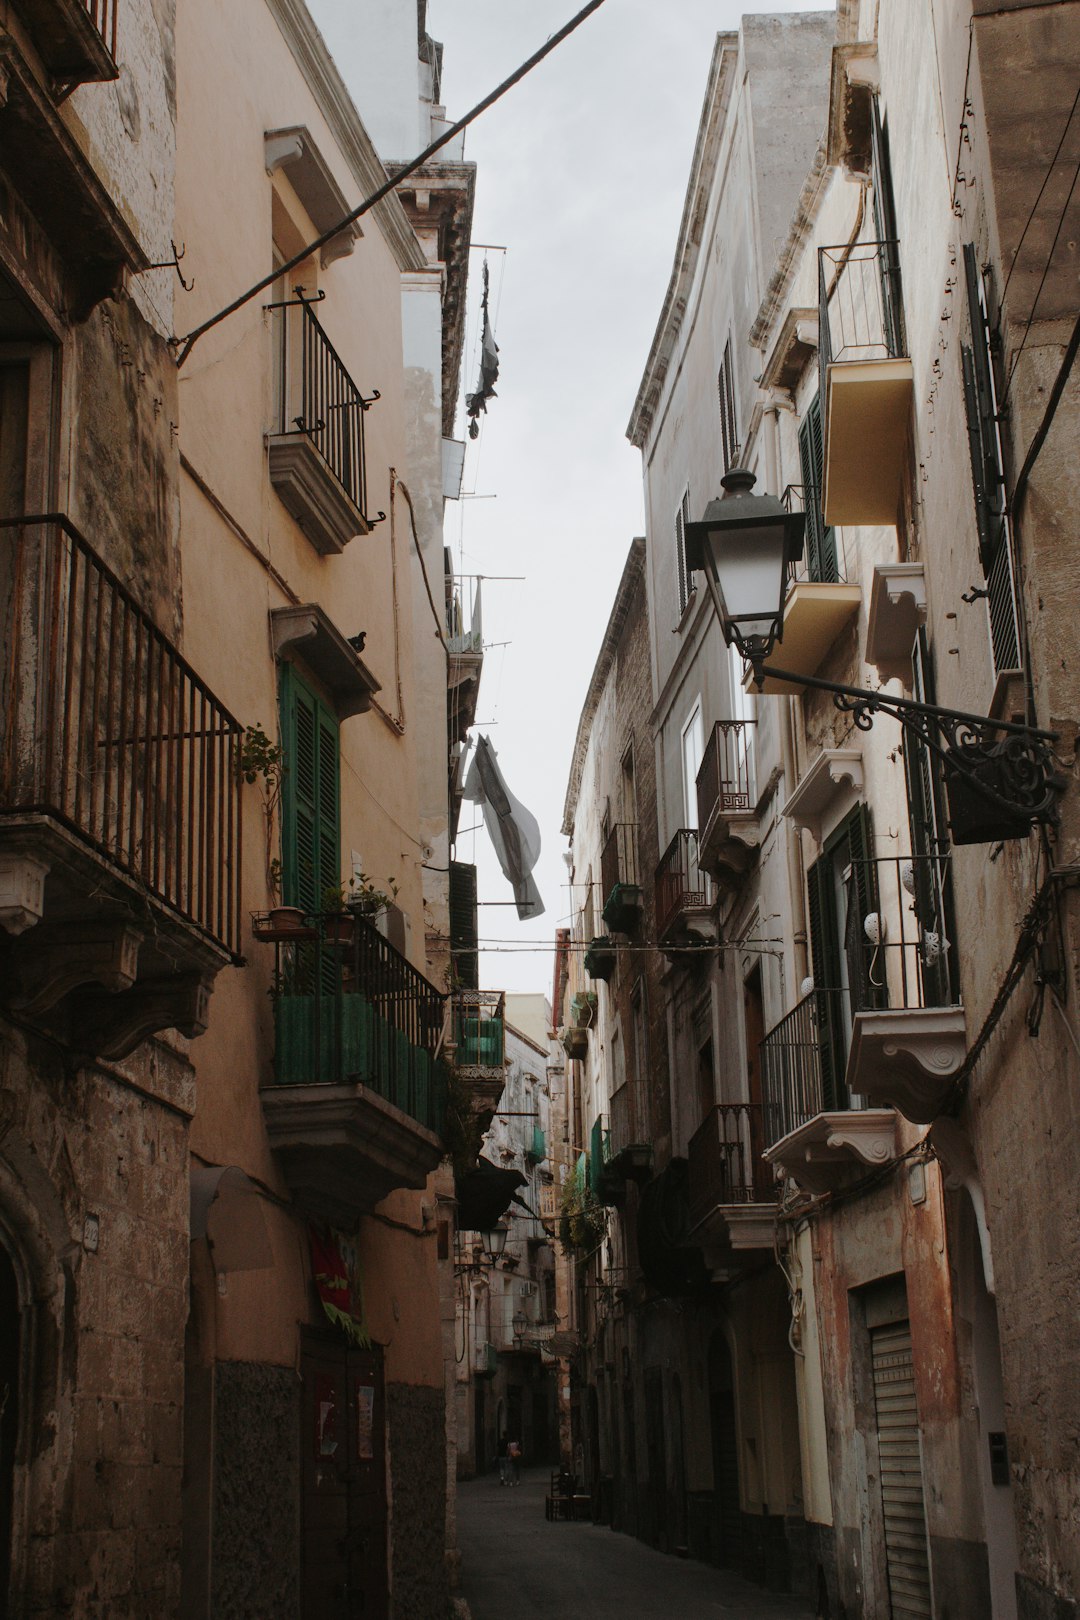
<point>583,1220</point>
<point>260,757</point>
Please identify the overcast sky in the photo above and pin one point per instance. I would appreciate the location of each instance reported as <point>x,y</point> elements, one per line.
<point>582,171</point>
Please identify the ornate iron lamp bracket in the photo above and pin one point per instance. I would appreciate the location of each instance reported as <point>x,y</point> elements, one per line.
<point>1010,768</point>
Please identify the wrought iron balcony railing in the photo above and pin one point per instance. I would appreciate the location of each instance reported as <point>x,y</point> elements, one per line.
<point>620,882</point>
<point>723,781</point>
<point>860,314</point>
<point>106,728</point>
<point>349,1008</point>
<point>899,956</point>
<point>681,885</point>
<point>103,15</point>
<point>480,1028</point>
<point>318,398</point>
<point>726,1166</point>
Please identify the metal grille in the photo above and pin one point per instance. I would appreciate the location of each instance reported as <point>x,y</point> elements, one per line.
<point>319,398</point>
<point>726,1166</point>
<point>107,728</point>
<point>103,15</point>
<point>681,885</point>
<point>723,780</point>
<point>618,859</point>
<point>906,1553</point>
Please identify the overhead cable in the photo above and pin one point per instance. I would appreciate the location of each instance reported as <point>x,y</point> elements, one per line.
<point>188,342</point>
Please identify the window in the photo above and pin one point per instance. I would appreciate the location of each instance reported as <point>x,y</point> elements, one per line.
<point>729,431</point>
<point>310,854</point>
<point>842,893</point>
<point>930,865</point>
<point>682,518</point>
<point>820,556</point>
<point>988,474</point>
<point>693,746</point>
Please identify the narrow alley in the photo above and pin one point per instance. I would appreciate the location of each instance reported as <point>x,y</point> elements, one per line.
<point>515,1563</point>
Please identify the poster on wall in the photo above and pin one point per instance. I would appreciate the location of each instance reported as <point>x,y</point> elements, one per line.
<point>335,1266</point>
<point>365,1422</point>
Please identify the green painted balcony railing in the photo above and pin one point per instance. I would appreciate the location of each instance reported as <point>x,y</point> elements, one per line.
<point>349,1009</point>
<point>538,1150</point>
<point>331,1040</point>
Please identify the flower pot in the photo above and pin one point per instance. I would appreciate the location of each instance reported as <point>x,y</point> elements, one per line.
<point>281,923</point>
<point>338,929</point>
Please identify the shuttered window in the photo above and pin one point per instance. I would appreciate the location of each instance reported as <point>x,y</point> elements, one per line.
<point>906,1556</point>
<point>931,869</point>
<point>311,832</point>
<point>842,892</point>
<point>463,926</point>
<point>821,562</point>
<point>729,429</point>
<point>682,518</point>
<point>988,474</point>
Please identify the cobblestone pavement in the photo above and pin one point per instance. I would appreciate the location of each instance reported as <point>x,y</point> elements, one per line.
<point>516,1566</point>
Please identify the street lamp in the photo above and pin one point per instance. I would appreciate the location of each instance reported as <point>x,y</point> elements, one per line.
<point>999,776</point>
<point>494,1241</point>
<point>746,545</point>
<point>520,1323</point>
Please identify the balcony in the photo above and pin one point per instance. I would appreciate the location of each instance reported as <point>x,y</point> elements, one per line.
<point>867,381</point>
<point>58,184</point>
<point>317,457</point>
<point>480,1037</point>
<point>732,1189</point>
<point>819,603</point>
<point>356,1106</point>
<point>684,914</point>
<point>119,805</point>
<point>631,1150</point>
<point>619,879</point>
<point>600,957</point>
<point>76,39</point>
<point>605,1183</point>
<point>889,1035</point>
<point>728,834</point>
<point>465,645</point>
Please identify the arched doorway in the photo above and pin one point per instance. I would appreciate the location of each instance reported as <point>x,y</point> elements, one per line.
<point>10,1358</point>
<point>727,1514</point>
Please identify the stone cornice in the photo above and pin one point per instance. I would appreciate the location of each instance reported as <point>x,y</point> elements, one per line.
<point>710,132</point>
<point>336,105</point>
<point>633,570</point>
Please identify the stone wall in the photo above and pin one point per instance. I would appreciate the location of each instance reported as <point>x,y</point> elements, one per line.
<point>256,1554</point>
<point>416,1419</point>
<point>94,1209</point>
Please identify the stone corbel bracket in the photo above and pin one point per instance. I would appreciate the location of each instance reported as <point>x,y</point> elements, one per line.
<point>54,962</point>
<point>831,787</point>
<point>112,1027</point>
<point>294,149</point>
<point>907,1058</point>
<point>897,612</point>
<point>820,1154</point>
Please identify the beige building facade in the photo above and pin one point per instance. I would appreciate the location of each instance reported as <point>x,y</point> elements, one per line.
<point>228,742</point>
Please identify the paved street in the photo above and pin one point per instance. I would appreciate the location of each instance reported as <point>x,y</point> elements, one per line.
<point>516,1566</point>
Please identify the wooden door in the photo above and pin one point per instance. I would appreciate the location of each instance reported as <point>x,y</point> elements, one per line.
<point>344,1554</point>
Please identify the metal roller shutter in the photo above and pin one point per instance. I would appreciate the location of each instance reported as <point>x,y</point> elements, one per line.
<point>906,1553</point>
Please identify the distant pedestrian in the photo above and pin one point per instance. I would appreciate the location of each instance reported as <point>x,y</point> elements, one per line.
<point>504,1462</point>
<point>513,1452</point>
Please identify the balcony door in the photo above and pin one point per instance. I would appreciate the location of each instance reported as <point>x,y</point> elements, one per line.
<point>849,971</point>
<point>343,1508</point>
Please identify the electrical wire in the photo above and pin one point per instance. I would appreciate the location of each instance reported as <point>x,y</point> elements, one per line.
<point>1039,195</point>
<point>1042,283</point>
<point>189,340</point>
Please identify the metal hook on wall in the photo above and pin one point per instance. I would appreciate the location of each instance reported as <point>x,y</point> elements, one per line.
<point>174,264</point>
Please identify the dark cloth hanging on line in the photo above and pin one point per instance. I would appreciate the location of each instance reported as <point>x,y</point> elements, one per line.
<point>489,368</point>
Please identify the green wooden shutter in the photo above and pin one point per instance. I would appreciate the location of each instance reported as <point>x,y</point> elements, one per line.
<point>825,958</point>
<point>463,925</point>
<point>931,872</point>
<point>820,539</point>
<point>892,314</point>
<point>311,861</point>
